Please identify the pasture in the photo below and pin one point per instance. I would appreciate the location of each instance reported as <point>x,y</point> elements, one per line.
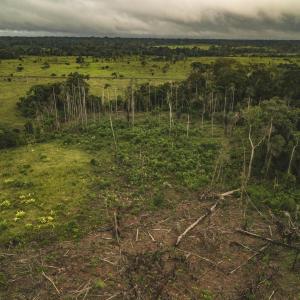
<point>107,73</point>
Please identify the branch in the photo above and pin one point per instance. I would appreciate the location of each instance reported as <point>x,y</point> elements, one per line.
<point>254,235</point>
<point>249,259</point>
<point>210,211</point>
<point>47,277</point>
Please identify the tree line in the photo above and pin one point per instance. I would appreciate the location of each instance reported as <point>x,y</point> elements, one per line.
<point>16,47</point>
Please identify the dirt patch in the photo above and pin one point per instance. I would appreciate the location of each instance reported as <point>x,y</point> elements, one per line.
<point>212,261</point>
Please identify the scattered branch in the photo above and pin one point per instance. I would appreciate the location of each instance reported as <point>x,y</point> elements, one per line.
<point>216,265</point>
<point>254,235</point>
<point>249,259</point>
<point>210,211</point>
<point>50,279</point>
<point>271,296</point>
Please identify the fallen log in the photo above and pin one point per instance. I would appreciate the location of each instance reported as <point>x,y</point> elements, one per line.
<point>209,212</point>
<point>254,235</point>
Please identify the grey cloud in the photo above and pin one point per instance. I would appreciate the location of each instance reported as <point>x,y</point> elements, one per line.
<point>168,18</point>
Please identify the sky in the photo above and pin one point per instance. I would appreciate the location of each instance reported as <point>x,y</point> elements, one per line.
<point>235,19</point>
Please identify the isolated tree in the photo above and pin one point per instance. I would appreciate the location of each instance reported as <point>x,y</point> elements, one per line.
<point>80,60</point>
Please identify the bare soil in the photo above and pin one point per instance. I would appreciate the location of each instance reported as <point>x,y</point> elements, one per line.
<point>145,264</point>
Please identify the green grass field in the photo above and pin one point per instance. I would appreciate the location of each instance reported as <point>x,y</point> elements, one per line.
<point>31,201</point>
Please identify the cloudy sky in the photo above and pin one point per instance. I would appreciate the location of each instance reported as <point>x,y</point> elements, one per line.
<point>271,19</point>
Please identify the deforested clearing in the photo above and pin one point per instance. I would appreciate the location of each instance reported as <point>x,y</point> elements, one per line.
<point>149,169</point>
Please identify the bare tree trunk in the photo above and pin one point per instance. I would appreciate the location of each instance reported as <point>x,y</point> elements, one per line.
<point>253,148</point>
<point>116,102</point>
<point>188,125</point>
<point>292,156</point>
<point>99,110</point>
<point>244,166</point>
<point>55,109</point>
<point>80,105</point>
<point>176,98</point>
<point>268,154</point>
<point>149,98</point>
<point>203,113</point>
<point>102,101</point>
<point>233,99</point>
<point>170,114</point>
<point>212,114</point>
<point>113,132</point>
<point>65,112</point>
<point>132,106</point>
<point>251,161</point>
<point>84,107</point>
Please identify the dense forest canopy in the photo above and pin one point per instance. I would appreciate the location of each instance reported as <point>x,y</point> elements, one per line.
<point>14,47</point>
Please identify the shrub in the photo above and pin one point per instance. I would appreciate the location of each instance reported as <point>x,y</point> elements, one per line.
<point>3,225</point>
<point>5,204</point>
<point>19,68</point>
<point>10,137</point>
<point>158,200</point>
<point>99,284</point>
<point>45,66</point>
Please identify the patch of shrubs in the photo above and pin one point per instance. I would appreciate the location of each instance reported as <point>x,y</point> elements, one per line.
<point>10,137</point>
<point>277,199</point>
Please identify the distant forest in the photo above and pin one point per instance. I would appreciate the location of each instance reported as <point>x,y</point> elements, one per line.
<point>15,47</point>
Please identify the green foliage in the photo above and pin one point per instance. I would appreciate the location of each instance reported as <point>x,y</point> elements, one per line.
<point>3,280</point>
<point>206,295</point>
<point>45,99</point>
<point>10,137</point>
<point>79,60</point>
<point>278,199</point>
<point>3,225</point>
<point>38,98</point>
<point>158,200</point>
<point>5,204</point>
<point>103,184</point>
<point>99,284</point>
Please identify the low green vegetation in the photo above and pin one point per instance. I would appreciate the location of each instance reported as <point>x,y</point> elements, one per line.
<point>56,186</point>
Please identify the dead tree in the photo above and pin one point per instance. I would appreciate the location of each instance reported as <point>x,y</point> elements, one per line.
<point>55,110</point>
<point>253,148</point>
<point>188,125</point>
<point>113,133</point>
<point>292,156</point>
<point>170,114</point>
<point>132,106</point>
<point>203,113</point>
